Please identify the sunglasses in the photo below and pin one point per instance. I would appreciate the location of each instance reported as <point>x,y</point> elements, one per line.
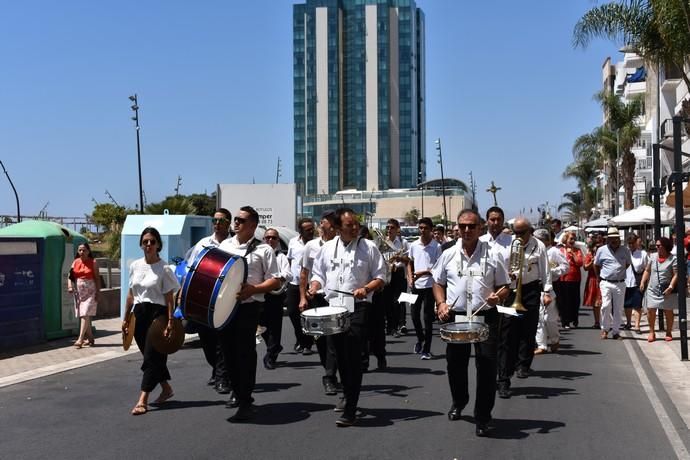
<point>270,237</point>
<point>467,226</point>
<point>520,233</point>
<point>240,220</point>
<point>148,242</point>
<point>219,220</point>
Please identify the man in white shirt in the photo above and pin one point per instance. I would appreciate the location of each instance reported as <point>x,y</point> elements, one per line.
<point>423,255</point>
<point>208,335</point>
<point>548,336</point>
<point>238,338</point>
<point>610,263</point>
<point>468,278</point>
<point>494,234</point>
<point>349,269</point>
<point>272,314</point>
<point>324,345</point>
<point>305,227</point>
<point>518,333</point>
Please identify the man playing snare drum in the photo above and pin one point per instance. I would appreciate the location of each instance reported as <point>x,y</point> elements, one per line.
<point>468,280</point>
<point>349,269</point>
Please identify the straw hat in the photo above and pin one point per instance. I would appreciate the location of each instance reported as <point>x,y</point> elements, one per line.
<point>613,233</point>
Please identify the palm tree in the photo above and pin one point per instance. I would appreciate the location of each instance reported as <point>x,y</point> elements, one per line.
<point>658,30</point>
<point>179,205</point>
<point>575,207</point>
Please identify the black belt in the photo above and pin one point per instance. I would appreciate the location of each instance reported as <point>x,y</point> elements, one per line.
<point>613,281</point>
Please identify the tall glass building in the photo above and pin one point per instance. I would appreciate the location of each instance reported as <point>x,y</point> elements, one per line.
<point>358,95</point>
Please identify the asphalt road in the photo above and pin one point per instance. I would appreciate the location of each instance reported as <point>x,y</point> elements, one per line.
<point>584,402</point>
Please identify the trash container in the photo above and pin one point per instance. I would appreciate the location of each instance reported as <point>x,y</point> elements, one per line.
<point>178,233</point>
<point>58,252</point>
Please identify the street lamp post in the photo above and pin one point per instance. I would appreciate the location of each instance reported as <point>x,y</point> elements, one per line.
<point>420,184</point>
<point>16,196</point>
<point>135,108</point>
<point>443,182</point>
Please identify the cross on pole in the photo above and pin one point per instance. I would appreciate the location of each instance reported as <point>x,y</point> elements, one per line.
<point>493,189</point>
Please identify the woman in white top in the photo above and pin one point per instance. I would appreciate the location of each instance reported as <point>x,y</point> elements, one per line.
<point>151,287</point>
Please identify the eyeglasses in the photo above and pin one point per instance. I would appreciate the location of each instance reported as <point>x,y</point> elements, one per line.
<point>148,242</point>
<point>219,220</point>
<point>240,220</point>
<point>466,227</point>
<point>270,237</point>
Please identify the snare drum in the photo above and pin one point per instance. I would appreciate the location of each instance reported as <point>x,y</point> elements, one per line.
<point>209,293</point>
<point>325,321</point>
<point>464,332</point>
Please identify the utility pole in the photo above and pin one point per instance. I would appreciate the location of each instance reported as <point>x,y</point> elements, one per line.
<point>443,181</point>
<point>420,184</point>
<point>179,184</point>
<point>135,108</point>
<point>279,172</point>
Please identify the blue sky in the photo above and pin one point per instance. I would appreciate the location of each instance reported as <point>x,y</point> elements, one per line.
<point>506,93</point>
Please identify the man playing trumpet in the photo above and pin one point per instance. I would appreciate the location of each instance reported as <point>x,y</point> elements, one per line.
<point>470,277</point>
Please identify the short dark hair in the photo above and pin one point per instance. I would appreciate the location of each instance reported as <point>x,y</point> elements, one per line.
<point>156,234</point>
<point>340,212</point>
<point>303,221</point>
<point>497,210</point>
<point>469,211</point>
<point>666,243</point>
<point>228,214</point>
<point>253,215</point>
<point>557,221</point>
<point>329,216</point>
<point>425,221</point>
<point>632,238</point>
<point>393,222</point>
<point>364,232</point>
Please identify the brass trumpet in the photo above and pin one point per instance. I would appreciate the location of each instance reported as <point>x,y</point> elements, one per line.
<point>517,259</point>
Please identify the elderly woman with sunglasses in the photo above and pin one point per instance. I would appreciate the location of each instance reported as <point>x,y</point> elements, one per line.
<point>660,279</point>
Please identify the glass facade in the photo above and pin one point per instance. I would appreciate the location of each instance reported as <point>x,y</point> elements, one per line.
<point>398,93</point>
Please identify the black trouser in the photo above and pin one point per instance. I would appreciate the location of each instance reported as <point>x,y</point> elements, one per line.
<point>238,340</point>
<point>292,302</point>
<point>155,364</point>
<point>569,301</point>
<point>272,319</point>
<point>326,347</point>
<point>348,350</point>
<point>517,338</point>
<point>213,353</point>
<point>426,299</point>
<point>458,356</point>
<point>391,293</point>
<point>376,327</point>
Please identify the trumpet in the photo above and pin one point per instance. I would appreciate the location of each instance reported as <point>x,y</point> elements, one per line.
<point>388,250</point>
<point>517,259</point>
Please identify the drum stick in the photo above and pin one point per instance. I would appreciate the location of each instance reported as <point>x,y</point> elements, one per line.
<point>484,304</point>
<point>343,292</point>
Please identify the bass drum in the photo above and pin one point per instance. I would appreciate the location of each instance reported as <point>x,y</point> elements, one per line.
<point>209,293</point>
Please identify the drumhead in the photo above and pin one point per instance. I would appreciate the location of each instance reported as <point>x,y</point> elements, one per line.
<point>324,311</point>
<point>225,291</point>
<point>460,327</point>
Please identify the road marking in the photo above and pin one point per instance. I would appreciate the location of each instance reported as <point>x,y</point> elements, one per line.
<point>666,423</point>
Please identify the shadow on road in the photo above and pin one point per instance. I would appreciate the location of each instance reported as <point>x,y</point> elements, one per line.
<point>576,352</point>
<point>270,387</point>
<point>387,417</point>
<point>283,413</point>
<point>542,392</point>
<point>410,370</point>
<point>563,375</point>
<point>390,390</point>
<point>518,429</point>
<point>174,405</point>
<point>300,364</point>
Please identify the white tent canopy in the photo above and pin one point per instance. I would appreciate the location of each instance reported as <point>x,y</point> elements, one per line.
<point>643,215</point>
<point>597,223</point>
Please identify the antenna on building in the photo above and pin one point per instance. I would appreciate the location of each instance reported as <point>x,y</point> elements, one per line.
<point>279,172</point>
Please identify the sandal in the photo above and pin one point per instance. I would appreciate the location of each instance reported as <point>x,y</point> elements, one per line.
<point>651,338</point>
<point>78,344</point>
<point>139,409</point>
<point>668,338</point>
<point>163,397</point>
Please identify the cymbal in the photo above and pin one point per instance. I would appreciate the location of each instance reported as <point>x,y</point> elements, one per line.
<point>162,344</point>
<point>127,338</point>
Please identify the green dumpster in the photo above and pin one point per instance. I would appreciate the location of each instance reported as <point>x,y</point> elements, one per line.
<point>60,247</point>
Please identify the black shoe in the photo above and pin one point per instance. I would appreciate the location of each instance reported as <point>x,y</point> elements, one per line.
<point>306,351</point>
<point>346,420</point>
<point>298,348</point>
<point>223,388</point>
<point>211,382</point>
<point>340,405</point>
<point>243,414</point>
<point>454,413</point>
<point>482,430</point>
<point>503,391</point>
<point>381,363</point>
<point>521,373</point>
<point>403,330</point>
<point>329,388</point>
<point>232,402</point>
<point>269,363</point>
<point>396,334</point>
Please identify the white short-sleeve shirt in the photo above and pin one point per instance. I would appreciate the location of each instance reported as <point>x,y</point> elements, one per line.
<point>150,282</point>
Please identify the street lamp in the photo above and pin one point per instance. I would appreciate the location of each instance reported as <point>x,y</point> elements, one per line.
<point>16,196</point>
<point>443,182</point>
<point>135,108</point>
<point>420,184</point>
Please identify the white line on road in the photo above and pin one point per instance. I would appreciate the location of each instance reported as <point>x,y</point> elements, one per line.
<point>666,423</point>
